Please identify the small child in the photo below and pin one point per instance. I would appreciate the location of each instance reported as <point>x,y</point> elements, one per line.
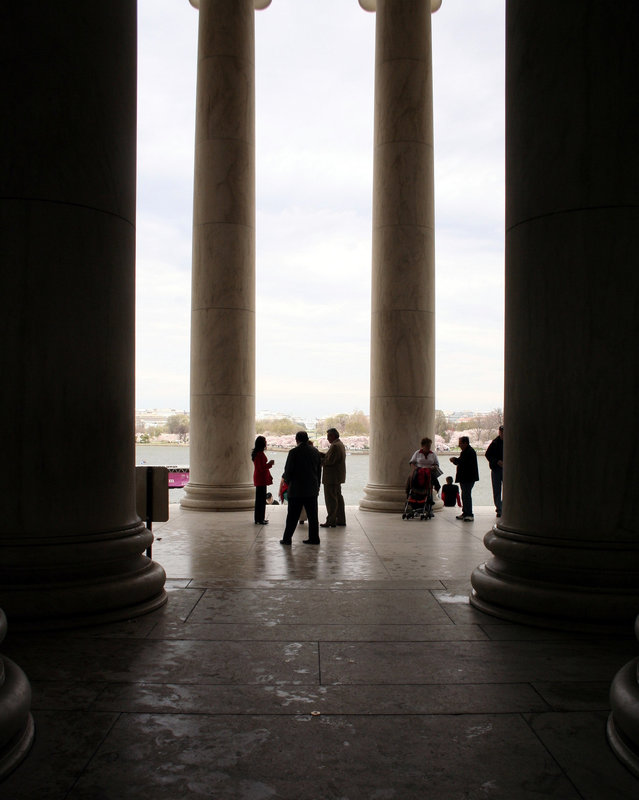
<point>450,493</point>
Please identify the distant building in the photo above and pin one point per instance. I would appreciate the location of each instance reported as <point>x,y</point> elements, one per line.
<point>156,417</point>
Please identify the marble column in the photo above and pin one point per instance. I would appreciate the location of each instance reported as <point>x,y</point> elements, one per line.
<point>566,551</point>
<point>71,544</point>
<point>223,283</point>
<point>16,722</point>
<point>402,409</point>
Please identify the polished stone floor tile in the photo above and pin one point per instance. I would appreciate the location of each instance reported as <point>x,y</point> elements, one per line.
<point>575,695</point>
<point>307,758</point>
<point>169,661</point>
<point>467,662</point>
<point>310,563</point>
<point>282,631</point>
<point>353,671</point>
<point>501,630</point>
<point>179,606</point>
<point>65,743</point>
<point>64,695</point>
<point>305,606</point>
<point>425,566</point>
<point>434,540</point>
<point>575,742</point>
<point>303,699</point>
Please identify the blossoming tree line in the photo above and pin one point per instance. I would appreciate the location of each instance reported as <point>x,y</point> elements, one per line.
<point>354,430</point>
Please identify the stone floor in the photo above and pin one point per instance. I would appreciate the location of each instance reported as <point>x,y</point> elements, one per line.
<point>356,669</point>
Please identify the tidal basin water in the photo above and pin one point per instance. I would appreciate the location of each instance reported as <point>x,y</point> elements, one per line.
<point>356,471</point>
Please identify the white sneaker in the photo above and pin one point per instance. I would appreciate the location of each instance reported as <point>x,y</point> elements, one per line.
<point>459,516</point>
<point>468,518</point>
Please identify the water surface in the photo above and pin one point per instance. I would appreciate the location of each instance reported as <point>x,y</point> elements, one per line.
<point>356,471</point>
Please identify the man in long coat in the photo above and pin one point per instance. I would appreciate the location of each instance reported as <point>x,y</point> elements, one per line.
<point>333,476</point>
<point>302,473</point>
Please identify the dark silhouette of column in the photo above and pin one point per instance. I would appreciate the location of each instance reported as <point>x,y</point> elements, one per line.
<point>566,550</point>
<point>71,544</point>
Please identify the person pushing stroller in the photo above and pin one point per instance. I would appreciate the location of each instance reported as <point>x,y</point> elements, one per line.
<point>424,457</point>
<point>420,483</point>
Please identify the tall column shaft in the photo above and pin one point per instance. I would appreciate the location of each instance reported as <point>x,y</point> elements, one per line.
<point>223,296</point>
<point>71,544</point>
<point>403,270</point>
<point>566,550</point>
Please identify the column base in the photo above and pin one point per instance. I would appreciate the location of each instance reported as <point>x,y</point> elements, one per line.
<point>16,723</point>
<point>389,499</point>
<point>623,723</point>
<point>558,623</point>
<point>202,497</point>
<point>79,580</point>
<point>561,584</point>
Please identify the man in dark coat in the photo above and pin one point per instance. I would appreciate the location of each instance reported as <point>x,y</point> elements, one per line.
<point>495,456</point>
<point>302,473</point>
<point>466,477</point>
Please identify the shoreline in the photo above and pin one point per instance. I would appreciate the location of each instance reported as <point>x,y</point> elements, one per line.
<point>440,453</point>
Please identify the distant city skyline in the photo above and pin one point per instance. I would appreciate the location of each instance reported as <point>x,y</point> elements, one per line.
<point>269,414</point>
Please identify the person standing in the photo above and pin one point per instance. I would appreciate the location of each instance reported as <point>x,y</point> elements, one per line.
<point>425,457</point>
<point>261,479</point>
<point>495,456</point>
<point>302,473</point>
<point>467,475</point>
<point>333,476</point>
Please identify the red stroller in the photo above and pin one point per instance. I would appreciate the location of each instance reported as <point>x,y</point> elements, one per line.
<point>419,495</point>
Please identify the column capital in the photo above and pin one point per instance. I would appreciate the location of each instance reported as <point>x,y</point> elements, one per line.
<point>371,5</point>
<point>259,4</point>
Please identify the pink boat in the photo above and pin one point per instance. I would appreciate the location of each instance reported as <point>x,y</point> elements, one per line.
<point>178,477</point>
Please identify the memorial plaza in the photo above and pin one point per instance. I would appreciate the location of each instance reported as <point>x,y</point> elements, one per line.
<point>356,669</point>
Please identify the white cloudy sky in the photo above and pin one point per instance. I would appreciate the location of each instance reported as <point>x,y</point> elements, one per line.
<point>314,97</point>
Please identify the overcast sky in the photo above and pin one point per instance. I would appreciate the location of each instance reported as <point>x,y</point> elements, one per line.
<point>314,131</point>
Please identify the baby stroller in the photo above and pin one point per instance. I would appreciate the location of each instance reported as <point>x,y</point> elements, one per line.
<point>419,496</point>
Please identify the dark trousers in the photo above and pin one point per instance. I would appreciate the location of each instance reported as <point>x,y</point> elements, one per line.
<point>295,505</point>
<point>335,511</point>
<point>467,497</point>
<point>260,503</point>
<point>497,478</point>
